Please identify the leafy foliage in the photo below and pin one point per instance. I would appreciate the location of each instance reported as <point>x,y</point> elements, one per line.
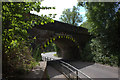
<point>51,47</point>
<point>16,20</point>
<point>103,20</point>
<point>72,17</point>
<point>37,53</point>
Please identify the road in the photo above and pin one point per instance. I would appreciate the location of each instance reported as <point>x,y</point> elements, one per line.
<point>93,70</point>
<point>50,55</point>
<point>52,72</point>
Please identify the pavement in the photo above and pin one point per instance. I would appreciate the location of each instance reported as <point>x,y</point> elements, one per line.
<point>95,70</point>
<point>54,74</point>
<point>37,72</point>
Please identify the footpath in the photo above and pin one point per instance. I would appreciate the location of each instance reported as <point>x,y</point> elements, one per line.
<point>37,73</point>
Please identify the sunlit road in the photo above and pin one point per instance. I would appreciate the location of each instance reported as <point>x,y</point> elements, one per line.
<point>50,55</point>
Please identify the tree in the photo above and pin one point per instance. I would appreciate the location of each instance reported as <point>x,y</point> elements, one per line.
<point>71,16</point>
<point>86,24</point>
<point>16,20</point>
<point>103,24</point>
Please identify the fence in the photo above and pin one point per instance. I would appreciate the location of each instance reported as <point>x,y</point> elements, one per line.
<point>68,70</point>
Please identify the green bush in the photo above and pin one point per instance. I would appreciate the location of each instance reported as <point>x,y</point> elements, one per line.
<point>37,53</point>
<point>86,55</point>
<point>56,55</point>
<point>95,52</point>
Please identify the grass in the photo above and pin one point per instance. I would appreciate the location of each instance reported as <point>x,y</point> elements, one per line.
<point>56,55</point>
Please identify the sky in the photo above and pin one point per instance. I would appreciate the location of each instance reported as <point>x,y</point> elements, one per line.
<point>60,5</point>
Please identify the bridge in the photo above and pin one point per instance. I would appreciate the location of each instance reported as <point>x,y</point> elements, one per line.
<point>69,38</point>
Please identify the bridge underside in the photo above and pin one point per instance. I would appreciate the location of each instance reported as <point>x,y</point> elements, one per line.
<point>68,49</point>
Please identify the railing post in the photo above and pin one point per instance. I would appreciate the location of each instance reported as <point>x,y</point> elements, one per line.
<point>69,73</point>
<point>77,75</point>
<point>45,58</point>
<point>42,58</point>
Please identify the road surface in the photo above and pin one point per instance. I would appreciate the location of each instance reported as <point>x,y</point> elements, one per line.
<point>54,74</point>
<point>50,55</point>
<point>93,70</point>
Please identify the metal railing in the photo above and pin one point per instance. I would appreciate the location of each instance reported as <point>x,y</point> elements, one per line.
<point>68,70</point>
<point>47,58</point>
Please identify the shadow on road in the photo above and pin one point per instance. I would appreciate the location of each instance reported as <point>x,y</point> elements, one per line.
<point>79,64</point>
<point>54,74</point>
